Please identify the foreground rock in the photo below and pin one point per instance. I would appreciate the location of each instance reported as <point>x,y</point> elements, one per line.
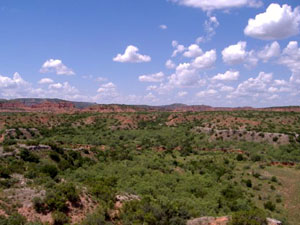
<point>222,221</point>
<point>273,222</point>
<point>209,221</point>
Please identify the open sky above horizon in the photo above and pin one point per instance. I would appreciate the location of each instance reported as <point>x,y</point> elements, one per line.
<point>213,52</point>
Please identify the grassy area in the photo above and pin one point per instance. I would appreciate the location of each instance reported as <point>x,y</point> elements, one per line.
<point>290,191</point>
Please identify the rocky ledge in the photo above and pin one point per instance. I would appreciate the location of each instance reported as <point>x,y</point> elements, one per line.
<point>222,221</point>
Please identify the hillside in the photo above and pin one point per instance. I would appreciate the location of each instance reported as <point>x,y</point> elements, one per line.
<point>149,167</point>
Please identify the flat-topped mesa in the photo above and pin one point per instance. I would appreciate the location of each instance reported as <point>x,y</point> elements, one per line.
<point>53,105</point>
<point>11,105</point>
<point>223,221</point>
<point>59,106</point>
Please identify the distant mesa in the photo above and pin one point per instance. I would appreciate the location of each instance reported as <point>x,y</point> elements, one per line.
<point>64,106</point>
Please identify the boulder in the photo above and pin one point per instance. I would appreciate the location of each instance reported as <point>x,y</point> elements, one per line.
<point>273,222</point>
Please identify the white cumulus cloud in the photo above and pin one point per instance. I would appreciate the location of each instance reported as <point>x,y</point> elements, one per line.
<point>269,51</point>
<point>131,55</point>
<point>46,81</point>
<point>229,75</point>
<point>208,5</point>
<point>182,93</point>
<point>178,48</point>
<point>225,88</point>
<point>207,93</point>
<point>254,86</point>
<point>291,58</point>
<point>12,83</point>
<point>193,51</point>
<point>157,77</point>
<point>56,66</point>
<point>170,64</point>
<point>205,61</point>
<point>276,23</point>
<point>235,54</point>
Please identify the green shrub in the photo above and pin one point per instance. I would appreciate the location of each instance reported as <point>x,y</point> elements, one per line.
<point>14,219</point>
<point>69,190</point>
<point>147,212</point>
<point>64,164</point>
<point>274,179</point>
<point>50,170</point>
<point>26,155</point>
<point>97,218</point>
<point>59,218</point>
<point>38,205</point>
<point>251,217</point>
<point>256,158</point>
<point>239,157</point>
<point>256,175</point>
<point>270,206</point>
<point>4,172</point>
<point>9,142</point>
<point>7,148</point>
<point>35,223</point>
<point>54,156</point>
<point>273,188</point>
<point>248,183</point>
<point>56,201</point>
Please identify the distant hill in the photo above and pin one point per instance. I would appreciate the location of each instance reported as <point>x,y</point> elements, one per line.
<point>63,106</point>
<point>29,102</point>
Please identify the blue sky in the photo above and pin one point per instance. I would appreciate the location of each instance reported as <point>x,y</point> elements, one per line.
<point>220,53</point>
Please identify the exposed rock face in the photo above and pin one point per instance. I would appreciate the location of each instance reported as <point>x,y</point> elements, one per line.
<point>62,106</point>
<point>251,136</point>
<point>120,200</point>
<point>27,133</point>
<point>222,221</point>
<point>35,147</point>
<point>49,106</point>
<point>273,222</point>
<point>11,105</point>
<point>209,221</point>
<point>127,198</point>
<point>43,106</point>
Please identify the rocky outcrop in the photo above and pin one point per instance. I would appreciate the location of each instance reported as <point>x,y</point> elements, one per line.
<point>18,133</point>
<point>222,221</point>
<point>209,221</point>
<point>56,106</point>
<point>35,147</point>
<point>11,105</point>
<point>52,106</point>
<point>273,222</point>
<point>127,197</point>
<point>244,135</point>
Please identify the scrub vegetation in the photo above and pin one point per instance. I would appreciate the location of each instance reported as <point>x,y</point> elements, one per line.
<point>149,168</point>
